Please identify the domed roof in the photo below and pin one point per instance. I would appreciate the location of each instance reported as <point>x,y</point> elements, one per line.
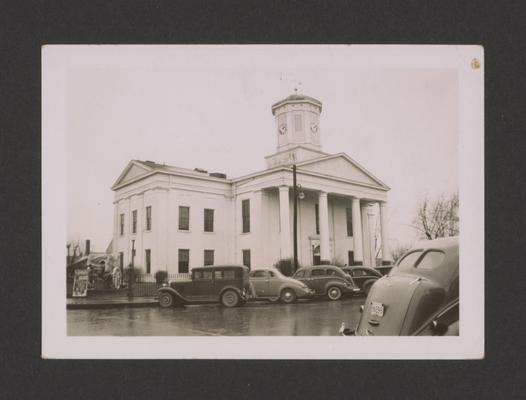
<point>296,98</point>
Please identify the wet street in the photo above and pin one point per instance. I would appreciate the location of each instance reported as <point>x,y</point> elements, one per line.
<point>318,317</point>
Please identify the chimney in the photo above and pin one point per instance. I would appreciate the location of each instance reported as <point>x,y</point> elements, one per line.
<point>87,250</point>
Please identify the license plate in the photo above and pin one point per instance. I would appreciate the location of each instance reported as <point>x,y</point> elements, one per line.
<point>377,309</point>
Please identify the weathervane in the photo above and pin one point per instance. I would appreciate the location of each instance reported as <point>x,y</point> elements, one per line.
<point>297,87</point>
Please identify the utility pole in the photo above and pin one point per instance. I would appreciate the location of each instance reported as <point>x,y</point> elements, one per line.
<point>295,234</point>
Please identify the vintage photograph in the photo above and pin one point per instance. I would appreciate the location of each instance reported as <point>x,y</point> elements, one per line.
<point>264,191</point>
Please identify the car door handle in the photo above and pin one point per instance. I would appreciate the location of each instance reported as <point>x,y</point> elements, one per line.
<point>374,322</point>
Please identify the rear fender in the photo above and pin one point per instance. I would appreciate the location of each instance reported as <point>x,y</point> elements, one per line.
<point>232,288</point>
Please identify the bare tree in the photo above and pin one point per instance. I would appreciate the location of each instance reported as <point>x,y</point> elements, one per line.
<point>437,217</point>
<point>398,251</point>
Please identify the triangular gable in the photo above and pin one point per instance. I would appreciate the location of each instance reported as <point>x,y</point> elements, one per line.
<point>341,166</point>
<point>133,170</point>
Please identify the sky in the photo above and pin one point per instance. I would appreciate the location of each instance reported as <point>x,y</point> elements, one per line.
<point>210,107</point>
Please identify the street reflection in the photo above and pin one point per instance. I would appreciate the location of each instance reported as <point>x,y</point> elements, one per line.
<point>306,318</point>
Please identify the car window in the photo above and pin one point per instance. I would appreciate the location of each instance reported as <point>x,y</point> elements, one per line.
<point>408,262</point>
<point>271,274</point>
<point>300,274</point>
<point>331,272</point>
<point>260,274</point>
<point>318,272</point>
<point>359,272</point>
<point>431,260</point>
<point>203,275</point>
<point>227,274</point>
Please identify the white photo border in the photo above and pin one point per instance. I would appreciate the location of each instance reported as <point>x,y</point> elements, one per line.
<point>57,60</point>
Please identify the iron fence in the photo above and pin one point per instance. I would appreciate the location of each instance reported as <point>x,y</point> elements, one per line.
<point>146,285</point>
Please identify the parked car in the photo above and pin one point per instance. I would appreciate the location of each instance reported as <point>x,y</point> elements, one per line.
<point>383,269</point>
<point>420,296</point>
<point>326,280</point>
<point>227,284</point>
<point>363,277</point>
<point>273,285</point>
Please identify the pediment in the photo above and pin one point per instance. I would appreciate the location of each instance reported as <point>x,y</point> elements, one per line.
<point>341,166</point>
<point>132,171</point>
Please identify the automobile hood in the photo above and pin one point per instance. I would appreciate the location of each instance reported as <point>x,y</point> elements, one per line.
<point>399,300</point>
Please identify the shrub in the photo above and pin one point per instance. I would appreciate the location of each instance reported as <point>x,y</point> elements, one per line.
<point>286,266</point>
<point>161,277</point>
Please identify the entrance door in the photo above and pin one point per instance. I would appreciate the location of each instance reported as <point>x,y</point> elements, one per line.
<point>316,259</point>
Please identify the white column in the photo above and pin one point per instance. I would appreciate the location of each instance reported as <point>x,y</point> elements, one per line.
<point>284,222</point>
<point>357,231</point>
<point>324,227</point>
<point>256,227</point>
<point>386,253</point>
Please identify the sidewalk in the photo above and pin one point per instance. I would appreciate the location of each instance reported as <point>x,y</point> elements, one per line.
<point>76,303</point>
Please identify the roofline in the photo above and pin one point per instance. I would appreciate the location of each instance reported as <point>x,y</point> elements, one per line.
<point>186,175</point>
<point>348,158</point>
<point>295,147</point>
<point>308,99</point>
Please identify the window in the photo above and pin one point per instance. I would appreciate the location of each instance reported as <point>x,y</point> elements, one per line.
<point>149,218</point>
<point>184,260</point>
<point>206,275</point>
<point>297,123</point>
<point>260,274</point>
<point>148,260</point>
<point>122,224</point>
<point>245,215</point>
<point>134,221</point>
<point>431,260</point>
<point>184,218</point>
<point>246,258</point>
<point>318,272</point>
<point>317,216</point>
<point>209,220</point>
<point>350,256</point>
<point>409,260</point>
<point>349,221</point>
<point>331,272</point>
<point>359,272</point>
<point>227,274</point>
<point>121,259</point>
<point>209,257</point>
<point>300,274</point>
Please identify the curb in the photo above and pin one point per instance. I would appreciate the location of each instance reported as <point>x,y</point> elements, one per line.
<point>103,305</point>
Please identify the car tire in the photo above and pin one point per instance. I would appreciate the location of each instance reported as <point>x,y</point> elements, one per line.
<point>287,296</point>
<point>230,298</point>
<point>367,286</point>
<point>166,300</point>
<point>334,293</point>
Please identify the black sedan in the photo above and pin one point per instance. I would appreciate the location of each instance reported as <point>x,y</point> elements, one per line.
<point>363,277</point>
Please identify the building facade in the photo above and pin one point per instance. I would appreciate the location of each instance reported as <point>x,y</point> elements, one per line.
<point>177,218</point>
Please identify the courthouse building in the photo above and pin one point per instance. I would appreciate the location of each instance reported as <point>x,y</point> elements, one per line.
<point>177,218</point>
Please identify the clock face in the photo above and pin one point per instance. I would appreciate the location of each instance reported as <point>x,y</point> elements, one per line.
<point>282,129</point>
<point>314,127</point>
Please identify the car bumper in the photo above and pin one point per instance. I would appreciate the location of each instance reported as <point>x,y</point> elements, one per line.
<point>309,293</point>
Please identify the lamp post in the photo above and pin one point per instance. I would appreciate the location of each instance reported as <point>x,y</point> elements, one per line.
<point>130,270</point>
<point>295,234</point>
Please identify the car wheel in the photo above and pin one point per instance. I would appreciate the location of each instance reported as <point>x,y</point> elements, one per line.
<point>288,296</point>
<point>230,298</point>
<point>166,300</point>
<point>334,293</point>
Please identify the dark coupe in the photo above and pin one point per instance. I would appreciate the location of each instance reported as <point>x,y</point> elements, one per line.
<point>326,280</point>
<point>363,277</point>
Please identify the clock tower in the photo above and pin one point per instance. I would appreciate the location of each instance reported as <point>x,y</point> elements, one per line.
<point>297,130</point>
